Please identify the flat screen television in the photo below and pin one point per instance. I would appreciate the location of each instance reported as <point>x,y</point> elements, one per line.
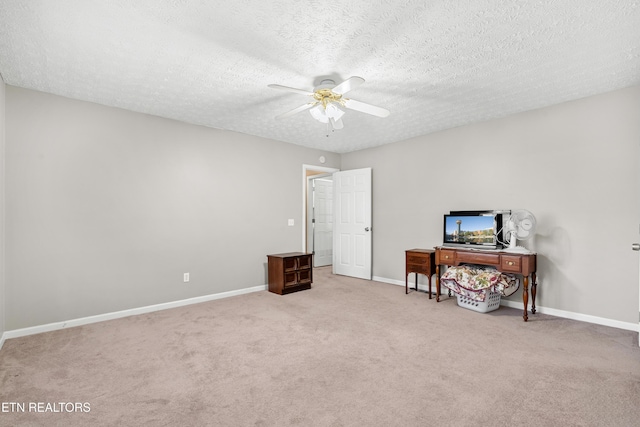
<point>473,229</point>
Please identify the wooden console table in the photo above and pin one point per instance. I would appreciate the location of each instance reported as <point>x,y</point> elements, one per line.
<point>506,262</point>
<point>419,261</point>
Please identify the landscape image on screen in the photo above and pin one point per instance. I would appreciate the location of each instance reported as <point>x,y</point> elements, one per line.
<point>469,229</point>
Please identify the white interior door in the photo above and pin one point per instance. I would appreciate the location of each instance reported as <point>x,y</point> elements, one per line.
<point>352,223</point>
<point>322,222</point>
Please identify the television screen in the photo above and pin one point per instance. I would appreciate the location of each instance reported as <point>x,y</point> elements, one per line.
<point>471,229</point>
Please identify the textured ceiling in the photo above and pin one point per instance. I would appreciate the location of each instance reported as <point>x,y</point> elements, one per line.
<point>434,64</point>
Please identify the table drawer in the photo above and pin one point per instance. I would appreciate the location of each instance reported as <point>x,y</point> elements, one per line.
<point>510,263</point>
<point>418,268</point>
<point>446,257</point>
<point>478,258</point>
<point>417,259</point>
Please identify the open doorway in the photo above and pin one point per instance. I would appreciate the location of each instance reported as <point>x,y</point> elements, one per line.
<point>320,219</point>
<point>318,213</point>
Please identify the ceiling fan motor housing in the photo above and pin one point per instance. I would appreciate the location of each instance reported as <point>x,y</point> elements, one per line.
<point>326,84</point>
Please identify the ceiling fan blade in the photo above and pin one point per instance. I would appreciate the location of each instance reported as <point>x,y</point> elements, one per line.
<point>291,89</point>
<point>296,110</point>
<point>347,85</point>
<point>366,108</point>
<point>336,124</point>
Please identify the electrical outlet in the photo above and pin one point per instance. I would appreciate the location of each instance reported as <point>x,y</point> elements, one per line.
<point>186,277</point>
<point>291,223</point>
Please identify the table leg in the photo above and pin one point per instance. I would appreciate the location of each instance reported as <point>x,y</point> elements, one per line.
<point>438,283</point>
<point>525,296</point>
<point>534,286</point>
<point>429,286</point>
<point>406,283</point>
<point>416,281</point>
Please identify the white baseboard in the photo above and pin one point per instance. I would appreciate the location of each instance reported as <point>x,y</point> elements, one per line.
<point>576,316</point>
<point>543,310</point>
<point>124,313</point>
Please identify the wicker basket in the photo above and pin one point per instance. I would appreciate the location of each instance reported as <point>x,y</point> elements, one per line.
<point>490,303</point>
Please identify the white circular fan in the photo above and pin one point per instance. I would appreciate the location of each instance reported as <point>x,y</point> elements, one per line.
<point>521,225</point>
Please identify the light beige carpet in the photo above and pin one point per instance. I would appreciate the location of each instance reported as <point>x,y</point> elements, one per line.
<point>347,352</point>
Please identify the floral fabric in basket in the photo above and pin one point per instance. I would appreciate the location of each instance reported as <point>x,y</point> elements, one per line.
<point>474,281</point>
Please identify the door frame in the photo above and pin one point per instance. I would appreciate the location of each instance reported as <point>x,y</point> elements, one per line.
<point>305,169</point>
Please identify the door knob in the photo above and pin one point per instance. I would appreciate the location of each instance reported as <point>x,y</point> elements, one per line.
<point>367,229</point>
<point>635,246</point>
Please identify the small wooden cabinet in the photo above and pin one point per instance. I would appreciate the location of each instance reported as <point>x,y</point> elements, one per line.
<point>290,272</point>
<point>419,261</point>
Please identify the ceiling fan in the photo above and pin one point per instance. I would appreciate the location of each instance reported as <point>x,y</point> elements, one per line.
<point>328,103</point>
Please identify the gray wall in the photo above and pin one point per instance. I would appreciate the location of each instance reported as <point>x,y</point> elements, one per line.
<point>574,165</point>
<point>106,208</point>
<point>2,184</point>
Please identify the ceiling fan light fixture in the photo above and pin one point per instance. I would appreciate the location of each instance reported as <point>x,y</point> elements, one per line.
<point>334,111</point>
<point>324,113</point>
<point>318,112</point>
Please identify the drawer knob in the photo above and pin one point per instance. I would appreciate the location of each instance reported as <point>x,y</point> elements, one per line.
<point>510,263</point>
<point>446,257</point>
